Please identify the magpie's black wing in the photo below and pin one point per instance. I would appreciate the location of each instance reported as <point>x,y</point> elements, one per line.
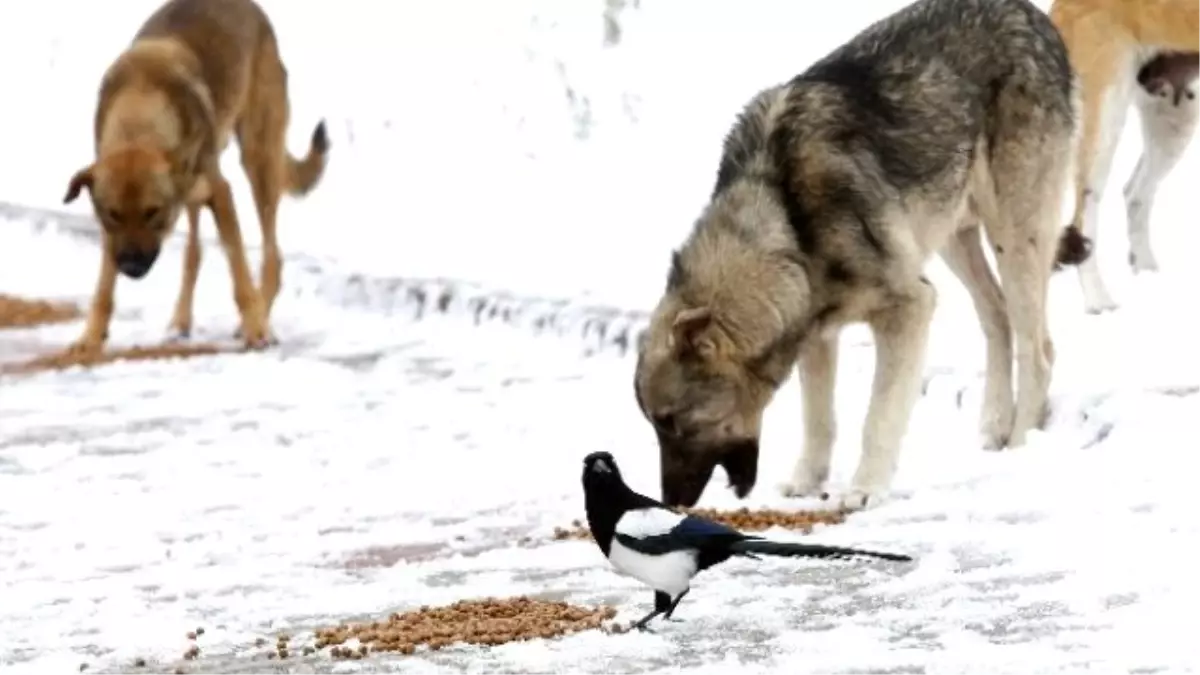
<point>692,533</point>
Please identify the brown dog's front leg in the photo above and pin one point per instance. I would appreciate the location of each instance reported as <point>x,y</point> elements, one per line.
<point>255,332</point>
<point>96,330</point>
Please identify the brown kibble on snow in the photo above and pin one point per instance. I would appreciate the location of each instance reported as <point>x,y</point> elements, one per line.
<point>24,313</point>
<point>487,621</point>
<point>67,359</point>
<point>741,519</point>
<point>139,662</point>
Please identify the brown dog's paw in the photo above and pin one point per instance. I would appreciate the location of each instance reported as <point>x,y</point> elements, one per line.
<point>255,339</point>
<point>87,345</point>
<point>178,334</point>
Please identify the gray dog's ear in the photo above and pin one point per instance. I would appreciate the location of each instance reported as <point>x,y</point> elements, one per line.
<point>687,331</point>
<point>81,179</point>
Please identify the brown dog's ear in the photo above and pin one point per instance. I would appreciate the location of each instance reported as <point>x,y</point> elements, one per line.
<point>81,179</point>
<point>688,330</point>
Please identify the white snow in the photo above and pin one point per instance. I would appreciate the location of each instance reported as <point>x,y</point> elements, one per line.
<point>256,493</point>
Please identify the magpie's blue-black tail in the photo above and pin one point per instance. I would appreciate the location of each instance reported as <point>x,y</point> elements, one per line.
<point>790,550</point>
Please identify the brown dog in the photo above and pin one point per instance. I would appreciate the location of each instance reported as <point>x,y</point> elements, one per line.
<point>197,72</point>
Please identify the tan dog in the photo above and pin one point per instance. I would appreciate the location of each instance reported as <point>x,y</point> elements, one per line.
<point>1128,51</point>
<point>197,73</point>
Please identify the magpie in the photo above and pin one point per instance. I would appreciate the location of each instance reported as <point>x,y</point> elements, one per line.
<point>663,548</point>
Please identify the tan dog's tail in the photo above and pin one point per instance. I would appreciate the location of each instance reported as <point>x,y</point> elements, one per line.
<point>304,174</point>
<point>1073,247</point>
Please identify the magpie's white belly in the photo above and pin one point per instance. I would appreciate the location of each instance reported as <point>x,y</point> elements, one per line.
<point>670,573</point>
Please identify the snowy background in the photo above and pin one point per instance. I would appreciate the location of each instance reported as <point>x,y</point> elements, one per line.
<point>532,163</point>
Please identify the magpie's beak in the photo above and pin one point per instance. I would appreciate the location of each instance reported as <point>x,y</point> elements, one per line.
<point>601,466</point>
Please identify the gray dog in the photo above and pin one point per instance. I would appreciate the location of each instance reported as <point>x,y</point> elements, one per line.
<point>945,119</point>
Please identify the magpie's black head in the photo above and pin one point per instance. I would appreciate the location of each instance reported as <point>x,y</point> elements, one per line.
<point>599,468</point>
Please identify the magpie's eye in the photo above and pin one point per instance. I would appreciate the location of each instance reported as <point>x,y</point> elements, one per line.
<point>151,213</point>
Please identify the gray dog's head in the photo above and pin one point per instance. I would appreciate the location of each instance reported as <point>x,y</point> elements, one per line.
<point>704,402</point>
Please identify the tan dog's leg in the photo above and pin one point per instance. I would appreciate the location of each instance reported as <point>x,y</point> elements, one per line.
<point>1167,129</point>
<point>818,377</point>
<point>254,329</point>
<point>964,256</point>
<point>901,335</point>
<point>181,322</point>
<point>1107,79</point>
<point>95,332</point>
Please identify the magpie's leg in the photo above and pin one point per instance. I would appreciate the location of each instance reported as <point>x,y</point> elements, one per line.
<point>674,604</point>
<point>640,624</point>
<point>662,603</point>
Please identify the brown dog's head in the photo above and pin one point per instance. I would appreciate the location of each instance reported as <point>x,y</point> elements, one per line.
<point>135,200</point>
<point>704,400</point>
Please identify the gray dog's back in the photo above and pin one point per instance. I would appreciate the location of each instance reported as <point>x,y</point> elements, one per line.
<point>910,101</point>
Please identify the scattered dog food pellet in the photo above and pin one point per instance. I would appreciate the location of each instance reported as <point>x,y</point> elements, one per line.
<point>260,642</point>
<point>743,519</point>
<point>489,621</point>
<point>139,662</point>
<point>83,667</point>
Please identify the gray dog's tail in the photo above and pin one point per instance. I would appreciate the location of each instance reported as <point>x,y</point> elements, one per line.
<point>1073,247</point>
<point>749,547</point>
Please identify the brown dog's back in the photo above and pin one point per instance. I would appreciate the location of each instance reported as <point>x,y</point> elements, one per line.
<point>226,35</point>
<point>239,57</point>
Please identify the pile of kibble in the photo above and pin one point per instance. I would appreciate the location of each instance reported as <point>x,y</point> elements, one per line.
<point>745,519</point>
<point>66,359</point>
<point>18,313</point>
<point>489,621</point>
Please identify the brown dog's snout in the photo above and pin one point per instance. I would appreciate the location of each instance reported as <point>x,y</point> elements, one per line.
<point>135,263</point>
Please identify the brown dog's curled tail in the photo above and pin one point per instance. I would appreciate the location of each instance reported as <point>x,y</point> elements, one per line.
<point>1073,247</point>
<point>304,174</point>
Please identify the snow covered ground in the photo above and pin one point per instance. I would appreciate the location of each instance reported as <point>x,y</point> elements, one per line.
<point>387,454</point>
